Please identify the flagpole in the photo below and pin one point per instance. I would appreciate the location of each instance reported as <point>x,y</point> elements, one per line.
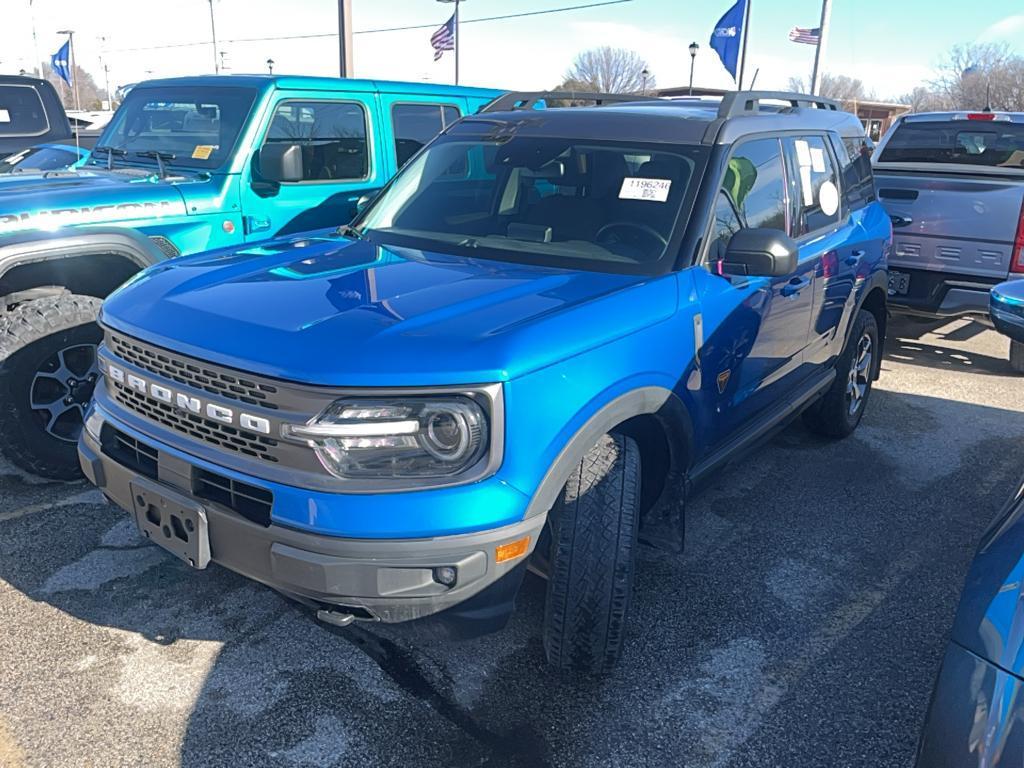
<point>456,42</point>
<point>743,44</point>
<point>71,71</point>
<point>826,10</point>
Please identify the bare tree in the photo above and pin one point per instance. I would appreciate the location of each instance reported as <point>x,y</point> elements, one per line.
<point>977,75</point>
<point>90,94</point>
<point>923,99</point>
<point>608,70</point>
<point>839,87</point>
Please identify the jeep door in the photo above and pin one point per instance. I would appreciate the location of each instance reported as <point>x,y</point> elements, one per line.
<point>755,328</point>
<point>341,160</point>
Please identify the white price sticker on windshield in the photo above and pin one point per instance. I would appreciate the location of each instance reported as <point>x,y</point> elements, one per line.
<point>655,190</point>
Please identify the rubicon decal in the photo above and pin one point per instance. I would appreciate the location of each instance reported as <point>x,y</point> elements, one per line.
<point>186,402</point>
<point>84,215</point>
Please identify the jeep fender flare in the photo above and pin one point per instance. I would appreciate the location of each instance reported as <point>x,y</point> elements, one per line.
<point>649,400</point>
<point>25,249</point>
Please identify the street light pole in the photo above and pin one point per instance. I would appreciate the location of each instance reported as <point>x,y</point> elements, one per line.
<point>270,66</point>
<point>644,74</point>
<point>693,58</point>
<point>345,37</point>
<point>213,34</point>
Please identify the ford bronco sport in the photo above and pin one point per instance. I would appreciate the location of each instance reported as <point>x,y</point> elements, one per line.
<point>545,329</point>
<point>186,165</point>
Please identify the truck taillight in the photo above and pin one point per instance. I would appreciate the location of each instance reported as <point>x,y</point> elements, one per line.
<point>1017,254</point>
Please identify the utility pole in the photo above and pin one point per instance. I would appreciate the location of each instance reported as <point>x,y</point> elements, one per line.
<point>743,45</point>
<point>35,42</point>
<point>345,38</point>
<point>819,52</point>
<point>213,34</point>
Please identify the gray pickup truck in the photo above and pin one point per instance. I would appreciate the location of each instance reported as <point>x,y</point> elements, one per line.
<point>953,184</point>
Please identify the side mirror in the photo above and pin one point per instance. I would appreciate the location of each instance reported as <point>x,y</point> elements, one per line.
<point>281,162</point>
<point>761,253</point>
<point>1006,306</point>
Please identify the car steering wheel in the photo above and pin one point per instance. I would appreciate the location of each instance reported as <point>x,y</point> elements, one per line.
<point>637,227</point>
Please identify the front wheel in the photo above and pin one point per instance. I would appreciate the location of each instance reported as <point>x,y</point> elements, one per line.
<point>47,375</point>
<point>840,410</point>
<point>593,552</point>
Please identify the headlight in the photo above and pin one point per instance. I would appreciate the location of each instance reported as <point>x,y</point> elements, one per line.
<point>428,437</point>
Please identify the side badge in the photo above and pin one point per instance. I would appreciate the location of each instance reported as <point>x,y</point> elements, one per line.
<point>723,380</point>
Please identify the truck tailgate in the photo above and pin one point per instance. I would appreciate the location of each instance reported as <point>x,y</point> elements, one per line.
<point>957,224</point>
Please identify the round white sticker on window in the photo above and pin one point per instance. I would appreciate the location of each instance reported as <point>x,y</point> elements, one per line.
<point>828,198</point>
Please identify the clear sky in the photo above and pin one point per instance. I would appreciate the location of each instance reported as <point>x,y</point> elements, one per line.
<point>892,45</point>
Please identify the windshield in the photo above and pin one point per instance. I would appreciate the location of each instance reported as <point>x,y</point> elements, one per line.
<point>191,126</point>
<point>989,143</point>
<point>605,206</point>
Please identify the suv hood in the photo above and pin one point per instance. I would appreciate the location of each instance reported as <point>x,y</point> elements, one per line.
<point>327,310</point>
<point>62,198</point>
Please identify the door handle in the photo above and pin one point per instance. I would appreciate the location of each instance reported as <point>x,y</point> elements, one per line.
<point>853,258</point>
<point>794,286</point>
<point>900,221</point>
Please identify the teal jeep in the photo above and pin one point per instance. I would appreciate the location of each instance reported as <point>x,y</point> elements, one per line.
<point>186,165</point>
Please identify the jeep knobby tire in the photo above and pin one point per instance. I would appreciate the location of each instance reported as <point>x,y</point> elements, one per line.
<point>840,410</point>
<point>593,552</point>
<point>47,356</point>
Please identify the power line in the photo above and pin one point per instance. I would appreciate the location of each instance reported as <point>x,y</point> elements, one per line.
<point>373,31</point>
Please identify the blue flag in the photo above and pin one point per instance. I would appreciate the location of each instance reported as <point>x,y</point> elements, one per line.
<point>61,62</point>
<point>728,34</point>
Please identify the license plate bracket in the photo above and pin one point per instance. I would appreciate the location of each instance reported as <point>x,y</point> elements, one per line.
<point>899,283</point>
<point>172,520</point>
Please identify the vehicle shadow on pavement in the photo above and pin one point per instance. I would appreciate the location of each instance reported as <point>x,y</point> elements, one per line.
<point>806,618</point>
<point>928,345</point>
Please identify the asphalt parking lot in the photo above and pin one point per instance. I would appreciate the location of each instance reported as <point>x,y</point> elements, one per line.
<point>803,626</point>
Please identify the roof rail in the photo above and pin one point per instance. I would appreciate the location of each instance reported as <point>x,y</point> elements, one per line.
<point>736,103</point>
<point>528,99</point>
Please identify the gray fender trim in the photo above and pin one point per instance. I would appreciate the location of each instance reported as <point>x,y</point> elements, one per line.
<point>645,400</point>
<point>29,247</point>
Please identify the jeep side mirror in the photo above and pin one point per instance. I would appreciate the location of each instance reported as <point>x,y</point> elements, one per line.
<point>281,162</point>
<point>761,253</point>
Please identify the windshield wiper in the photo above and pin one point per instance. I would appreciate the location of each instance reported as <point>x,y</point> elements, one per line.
<point>161,159</point>
<point>347,230</point>
<point>111,152</point>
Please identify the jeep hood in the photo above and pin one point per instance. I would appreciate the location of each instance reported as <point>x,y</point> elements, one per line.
<point>327,310</point>
<point>55,199</point>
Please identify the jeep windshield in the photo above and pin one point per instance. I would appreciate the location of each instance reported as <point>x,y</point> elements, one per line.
<point>197,125</point>
<point>597,205</point>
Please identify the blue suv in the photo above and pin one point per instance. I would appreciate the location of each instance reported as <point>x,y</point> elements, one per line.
<point>546,328</point>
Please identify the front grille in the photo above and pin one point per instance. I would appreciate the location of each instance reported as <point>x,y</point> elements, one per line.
<point>247,500</point>
<point>196,426</point>
<point>193,373</point>
<point>129,452</point>
<point>250,501</point>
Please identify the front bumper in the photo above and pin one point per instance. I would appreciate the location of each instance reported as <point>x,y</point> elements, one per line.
<point>389,580</point>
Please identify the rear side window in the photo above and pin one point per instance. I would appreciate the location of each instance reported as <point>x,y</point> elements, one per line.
<point>417,124</point>
<point>816,183</point>
<point>753,193</point>
<point>21,111</point>
<point>989,144</point>
<point>332,136</point>
<point>855,167</point>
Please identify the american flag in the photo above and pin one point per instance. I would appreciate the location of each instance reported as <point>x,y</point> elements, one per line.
<point>444,39</point>
<point>804,35</point>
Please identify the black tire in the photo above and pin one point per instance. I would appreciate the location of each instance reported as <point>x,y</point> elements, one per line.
<point>35,339</point>
<point>835,415</point>
<point>593,543</point>
<point>1017,355</point>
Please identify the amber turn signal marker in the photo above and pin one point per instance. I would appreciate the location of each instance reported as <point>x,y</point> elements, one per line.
<point>512,550</point>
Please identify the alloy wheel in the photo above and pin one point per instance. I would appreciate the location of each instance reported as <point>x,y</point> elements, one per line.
<point>62,388</point>
<point>860,374</point>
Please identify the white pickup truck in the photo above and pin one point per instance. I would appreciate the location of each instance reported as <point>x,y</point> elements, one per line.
<point>953,184</point>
